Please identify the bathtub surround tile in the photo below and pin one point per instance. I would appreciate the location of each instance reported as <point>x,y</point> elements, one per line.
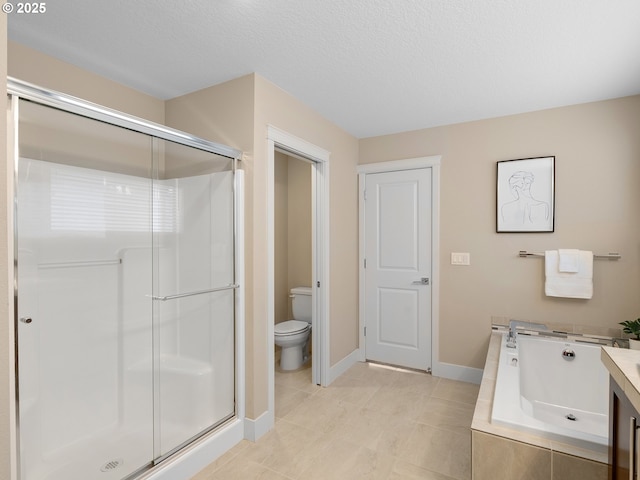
<point>600,331</point>
<point>486,389</point>
<point>374,422</point>
<point>599,457</point>
<point>496,458</point>
<point>563,327</point>
<point>560,327</point>
<point>567,467</point>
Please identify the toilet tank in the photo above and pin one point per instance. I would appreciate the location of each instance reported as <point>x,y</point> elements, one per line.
<point>301,303</point>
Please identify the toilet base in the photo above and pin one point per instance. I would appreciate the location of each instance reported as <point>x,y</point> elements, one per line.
<point>291,358</point>
<point>295,350</point>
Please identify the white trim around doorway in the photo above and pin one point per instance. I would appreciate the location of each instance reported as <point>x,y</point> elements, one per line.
<point>282,140</point>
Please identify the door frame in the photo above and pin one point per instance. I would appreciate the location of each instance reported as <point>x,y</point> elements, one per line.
<point>432,162</point>
<point>288,143</point>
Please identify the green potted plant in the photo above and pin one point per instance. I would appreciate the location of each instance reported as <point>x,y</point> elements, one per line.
<point>632,327</point>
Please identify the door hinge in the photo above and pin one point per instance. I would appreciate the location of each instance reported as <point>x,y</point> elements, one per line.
<point>318,284</point>
<point>365,331</point>
<point>364,193</point>
<point>365,263</point>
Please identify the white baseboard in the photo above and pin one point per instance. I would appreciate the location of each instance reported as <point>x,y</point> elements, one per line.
<point>185,465</point>
<point>254,429</point>
<point>343,365</point>
<point>457,372</point>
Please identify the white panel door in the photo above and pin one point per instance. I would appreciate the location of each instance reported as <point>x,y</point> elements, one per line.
<point>398,268</point>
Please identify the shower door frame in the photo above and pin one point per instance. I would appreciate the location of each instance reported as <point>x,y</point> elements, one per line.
<point>206,442</point>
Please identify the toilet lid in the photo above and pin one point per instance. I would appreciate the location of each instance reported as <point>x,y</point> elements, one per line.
<point>290,326</point>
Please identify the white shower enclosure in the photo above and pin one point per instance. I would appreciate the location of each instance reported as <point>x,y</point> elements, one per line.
<point>125,289</point>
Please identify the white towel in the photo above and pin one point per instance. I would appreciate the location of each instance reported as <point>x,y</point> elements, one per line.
<point>568,284</point>
<point>568,260</point>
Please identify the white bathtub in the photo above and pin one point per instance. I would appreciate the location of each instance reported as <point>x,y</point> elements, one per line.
<point>561,397</point>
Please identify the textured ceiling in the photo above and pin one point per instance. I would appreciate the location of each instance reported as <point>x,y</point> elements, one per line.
<point>372,67</point>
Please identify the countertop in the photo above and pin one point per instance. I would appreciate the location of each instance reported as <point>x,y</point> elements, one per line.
<point>624,366</point>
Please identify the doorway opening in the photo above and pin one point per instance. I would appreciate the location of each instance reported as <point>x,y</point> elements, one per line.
<point>316,160</point>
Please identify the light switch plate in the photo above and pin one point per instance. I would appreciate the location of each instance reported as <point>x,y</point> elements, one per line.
<point>460,258</point>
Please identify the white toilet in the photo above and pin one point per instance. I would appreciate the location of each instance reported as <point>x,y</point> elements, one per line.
<point>293,335</point>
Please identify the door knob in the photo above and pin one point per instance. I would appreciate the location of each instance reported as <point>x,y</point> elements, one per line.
<point>422,281</point>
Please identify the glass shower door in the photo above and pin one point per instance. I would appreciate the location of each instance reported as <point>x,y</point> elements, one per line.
<point>84,313</point>
<point>125,320</point>
<point>194,341</point>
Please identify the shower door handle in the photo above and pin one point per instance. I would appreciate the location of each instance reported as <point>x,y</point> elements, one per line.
<point>199,292</point>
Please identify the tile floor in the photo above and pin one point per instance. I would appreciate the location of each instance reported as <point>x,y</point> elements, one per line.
<point>373,422</point>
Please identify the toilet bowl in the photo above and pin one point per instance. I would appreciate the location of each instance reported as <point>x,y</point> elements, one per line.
<point>293,335</point>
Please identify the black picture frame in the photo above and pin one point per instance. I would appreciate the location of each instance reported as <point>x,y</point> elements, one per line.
<point>525,195</point>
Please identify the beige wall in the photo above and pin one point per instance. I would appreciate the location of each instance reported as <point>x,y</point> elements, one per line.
<point>293,243</point>
<point>299,254</point>
<point>34,67</point>
<point>281,237</point>
<point>597,150</point>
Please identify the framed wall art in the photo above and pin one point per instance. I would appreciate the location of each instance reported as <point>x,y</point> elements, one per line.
<point>525,195</point>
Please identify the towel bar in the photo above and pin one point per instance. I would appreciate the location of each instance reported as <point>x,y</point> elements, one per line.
<point>609,256</point>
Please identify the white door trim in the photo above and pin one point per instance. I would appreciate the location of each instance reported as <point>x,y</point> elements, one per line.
<point>432,162</point>
<point>320,206</point>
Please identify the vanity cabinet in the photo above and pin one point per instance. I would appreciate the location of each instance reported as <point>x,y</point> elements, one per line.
<point>624,423</point>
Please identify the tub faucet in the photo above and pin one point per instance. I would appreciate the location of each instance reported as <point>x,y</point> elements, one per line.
<point>514,324</point>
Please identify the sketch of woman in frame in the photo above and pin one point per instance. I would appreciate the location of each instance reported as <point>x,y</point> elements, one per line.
<point>525,209</point>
